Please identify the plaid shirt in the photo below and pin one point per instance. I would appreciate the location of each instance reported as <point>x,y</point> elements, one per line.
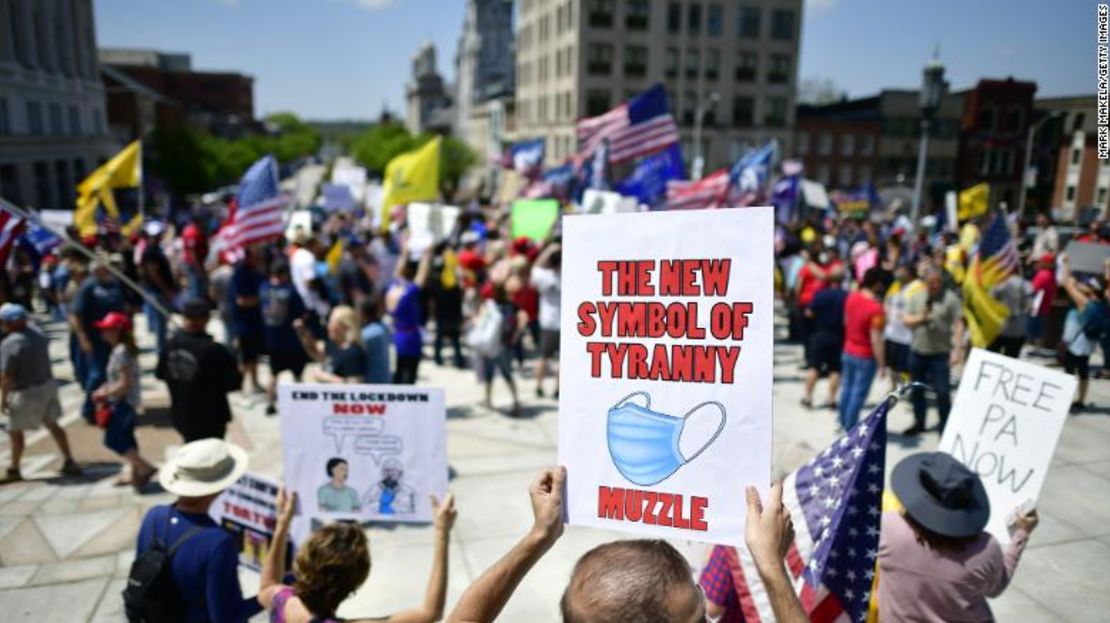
<point>716,581</point>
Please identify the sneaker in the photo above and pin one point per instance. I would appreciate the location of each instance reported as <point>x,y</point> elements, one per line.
<point>12,475</point>
<point>539,393</point>
<point>913,431</point>
<point>271,409</point>
<point>1076,407</point>
<point>807,403</point>
<point>71,468</point>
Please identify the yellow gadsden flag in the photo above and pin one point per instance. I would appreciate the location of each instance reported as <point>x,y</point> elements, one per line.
<point>124,170</point>
<point>973,201</point>
<point>412,176</point>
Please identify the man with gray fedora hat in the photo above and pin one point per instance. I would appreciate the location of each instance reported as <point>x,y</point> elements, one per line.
<point>204,559</point>
<point>936,563</point>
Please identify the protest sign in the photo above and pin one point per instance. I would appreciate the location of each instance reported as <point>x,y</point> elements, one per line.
<point>364,452</point>
<point>1004,425</point>
<point>665,370</point>
<point>248,510</point>
<point>429,224</point>
<point>534,218</point>
<point>1086,257</point>
<point>337,197</point>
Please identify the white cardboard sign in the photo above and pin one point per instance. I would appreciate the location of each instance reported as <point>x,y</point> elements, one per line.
<point>248,510</point>
<point>364,452</point>
<point>665,370</point>
<point>1005,423</point>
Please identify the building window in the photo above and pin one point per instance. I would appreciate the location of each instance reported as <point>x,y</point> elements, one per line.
<point>1014,118</point>
<point>61,174</point>
<point>712,64</point>
<point>1075,155</point>
<point>779,72</point>
<point>782,24</point>
<point>9,184</point>
<point>749,22</point>
<point>597,102</point>
<point>866,144</point>
<point>674,18</point>
<point>847,144</point>
<point>986,119</point>
<point>775,117</point>
<point>5,125</point>
<point>1101,196</point>
<point>1070,194</point>
<point>41,171</point>
<point>714,21</point>
<point>635,61</point>
<point>747,64</point>
<point>801,143</point>
<point>74,121</point>
<point>823,174</point>
<point>742,112</point>
<point>601,13</point>
<point>671,69</point>
<point>56,127</point>
<point>599,59</point>
<point>1078,121</point>
<point>844,176</point>
<point>690,109</point>
<point>693,18</point>
<point>637,15</point>
<point>824,144</point>
<point>34,119</point>
<point>865,174</point>
<point>693,62</point>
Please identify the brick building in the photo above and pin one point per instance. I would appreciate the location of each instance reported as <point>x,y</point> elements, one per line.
<point>996,120</point>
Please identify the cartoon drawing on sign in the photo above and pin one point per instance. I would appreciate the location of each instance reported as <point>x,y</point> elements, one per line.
<point>391,496</point>
<point>644,443</point>
<point>335,496</point>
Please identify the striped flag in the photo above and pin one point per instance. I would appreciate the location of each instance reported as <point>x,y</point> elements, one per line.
<point>639,127</point>
<point>835,501</point>
<point>708,192</point>
<point>11,226</point>
<point>256,215</point>
<point>995,260</point>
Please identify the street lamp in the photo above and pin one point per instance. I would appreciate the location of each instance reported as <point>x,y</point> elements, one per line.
<point>933,89</point>
<point>699,118</point>
<point>1025,181</point>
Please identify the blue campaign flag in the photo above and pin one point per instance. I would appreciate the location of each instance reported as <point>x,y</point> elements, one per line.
<point>750,173</point>
<point>527,156</point>
<point>647,105</point>
<point>784,196</point>
<point>41,239</point>
<point>648,182</point>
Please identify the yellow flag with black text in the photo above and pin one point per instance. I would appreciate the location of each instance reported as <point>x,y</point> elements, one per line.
<point>973,201</point>
<point>411,176</point>
<point>124,170</point>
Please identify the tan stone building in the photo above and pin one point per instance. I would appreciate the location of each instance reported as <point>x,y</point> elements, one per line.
<point>579,58</point>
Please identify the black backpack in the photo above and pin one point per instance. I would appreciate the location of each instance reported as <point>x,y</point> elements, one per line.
<point>151,595</point>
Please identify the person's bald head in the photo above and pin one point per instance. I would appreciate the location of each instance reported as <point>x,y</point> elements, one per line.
<point>640,581</point>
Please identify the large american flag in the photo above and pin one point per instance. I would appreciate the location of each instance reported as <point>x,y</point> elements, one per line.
<point>834,500</point>
<point>256,216</point>
<point>997,255</point>
<point>708,192</point>
<point>639,127</point>
<point>11,226</point>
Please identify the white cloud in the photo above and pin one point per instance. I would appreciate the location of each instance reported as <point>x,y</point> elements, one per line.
<point>373,5</point>
<point>820,6</point>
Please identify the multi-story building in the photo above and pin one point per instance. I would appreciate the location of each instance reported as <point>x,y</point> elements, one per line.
<point>484,60</point>
<point>428,102</point>
<point>996,119</point>
<point>838,143</point>
<point>1081,185</point>
<point>52,123</point>
<point>737,62</point>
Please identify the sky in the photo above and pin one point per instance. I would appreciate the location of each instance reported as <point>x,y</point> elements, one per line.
<point>345,59</point>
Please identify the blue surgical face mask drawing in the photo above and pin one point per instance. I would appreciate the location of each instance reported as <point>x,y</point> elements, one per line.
<point>644,443</point>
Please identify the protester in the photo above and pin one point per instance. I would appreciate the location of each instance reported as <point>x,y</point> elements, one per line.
<point>120,397</point>
<point>375,341</point>
<point>1044,293</point>
<point>194,240</point>
<point>447,294</point>
<point>246,314</point>
<point>157,280</point>
<point>936,563</point>
<point>99,295</point>
<point>78,269</point>
<point>281,306</point>
<point>302,266</point>
<point>341,354</point>
<point>934,314</point>
<point>497,327</point>
<point>203,556</point>
<point>547,281</point>
<point>825,314</point>
<point>334,562</point>
<point>28,393</point>
<point>897,337</point>
<point>1047,240</point>
<point>1084,325</point>
<point>199,373</point>
<point>403,302</point>
<point>1014,292</point>
<point>863,346</point>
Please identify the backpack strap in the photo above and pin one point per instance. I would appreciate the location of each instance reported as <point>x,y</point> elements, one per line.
<point>184,537</point>
<point>170,549</point>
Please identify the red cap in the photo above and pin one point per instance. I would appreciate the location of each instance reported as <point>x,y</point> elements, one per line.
<point>114,320</point>
<point>1048,258</point>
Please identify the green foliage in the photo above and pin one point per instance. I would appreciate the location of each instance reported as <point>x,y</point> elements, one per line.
<point>375,147</point>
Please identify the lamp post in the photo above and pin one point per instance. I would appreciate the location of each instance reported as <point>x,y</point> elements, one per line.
<point>933,88</point>
<point>699,118</point>
<point>1025,185</point>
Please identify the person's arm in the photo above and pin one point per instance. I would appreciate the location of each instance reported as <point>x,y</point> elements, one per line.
<point>424,269</point>
<point>1071,286</point>
<point>77,310</point>
<point>7,384</point>
<point>877,345</point>
<point>223,596</point>
<point>957,338</point>
<point>1018,539</point>
<point>545,256</point>
<point>312,347</point>
<point>402,260</point>
<point>273,568</point>
<point>435,596</point>
<point>769,533</point>
<point>915,315</point>
<point>120,388</point>
<point>485,598</point>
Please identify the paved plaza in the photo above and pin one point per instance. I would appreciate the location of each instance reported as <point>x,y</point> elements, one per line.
<point>65,545</point>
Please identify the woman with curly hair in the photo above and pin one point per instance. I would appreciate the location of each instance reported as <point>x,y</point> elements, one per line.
<point>334,562</point>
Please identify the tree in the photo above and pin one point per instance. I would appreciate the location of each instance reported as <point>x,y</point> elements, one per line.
<point>375,147</point>
<point>820,91</point>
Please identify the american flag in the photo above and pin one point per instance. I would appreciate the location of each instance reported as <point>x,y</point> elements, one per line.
<point>749,175</point>
<point>997,255</point>
<point>639,127</point>
<point>11,226</point>
<point>256,216</point>
<point>835,501</point>
<point>708,192</point>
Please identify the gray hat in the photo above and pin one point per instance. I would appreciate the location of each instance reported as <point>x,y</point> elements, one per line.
<point>10,312</point>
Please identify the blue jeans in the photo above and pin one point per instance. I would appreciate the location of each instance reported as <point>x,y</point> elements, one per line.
<point>96,370</point>
<point>78,359</point>
<point>931,370</point>
<point>856,374</point>
<point>155,321</point>
<point>197,281</point>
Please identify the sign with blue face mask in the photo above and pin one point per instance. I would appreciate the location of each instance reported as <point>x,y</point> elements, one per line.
<point>644,444</point>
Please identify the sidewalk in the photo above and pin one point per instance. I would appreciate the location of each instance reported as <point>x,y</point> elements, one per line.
<point>65,546</point>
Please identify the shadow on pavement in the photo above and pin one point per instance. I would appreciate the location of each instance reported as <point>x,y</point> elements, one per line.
<point>90,473</point>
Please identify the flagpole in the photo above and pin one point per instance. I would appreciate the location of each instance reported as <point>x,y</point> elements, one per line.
<point>142,200</point>
<point>83,250</point>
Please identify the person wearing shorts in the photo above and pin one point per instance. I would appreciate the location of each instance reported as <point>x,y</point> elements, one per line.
<point>826,342</point>
<point>545,279</point>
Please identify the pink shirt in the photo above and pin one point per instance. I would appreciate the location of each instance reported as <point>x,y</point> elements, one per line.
<point>917,583</point>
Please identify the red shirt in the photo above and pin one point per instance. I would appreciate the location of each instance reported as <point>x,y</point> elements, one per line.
<point>196,247</point>
<point>861,314</point>
<point>808,283</point>
<point>1045,281</point>
<point>527,299</point>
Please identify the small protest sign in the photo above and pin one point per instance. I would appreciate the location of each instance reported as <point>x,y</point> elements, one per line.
<point>534,218</point>
<point>1086,257</point>
<point>665,370</point>
<point>364,452</point>
<point>1004,425</point>
<point>248,510</point>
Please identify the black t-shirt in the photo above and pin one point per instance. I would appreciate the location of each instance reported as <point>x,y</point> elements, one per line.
<point>199,373</point>
<point>347,362</point>
<point>828,310</point>
<point>155,262</point>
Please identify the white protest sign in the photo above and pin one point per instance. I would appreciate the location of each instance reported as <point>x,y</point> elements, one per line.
<point>365,452</point>
<point>665,370</point>
<point>248,509</point>
<point>1005,422</point>
<point>600,201</point>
